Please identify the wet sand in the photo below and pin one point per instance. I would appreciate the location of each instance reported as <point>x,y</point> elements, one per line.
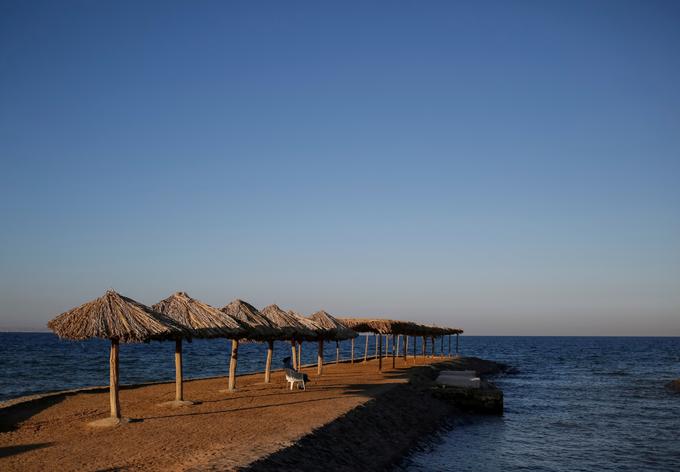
<point>255,427</point>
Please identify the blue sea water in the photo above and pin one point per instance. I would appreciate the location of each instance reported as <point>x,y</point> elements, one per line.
<point>41,362</point>
<point>576,404</point>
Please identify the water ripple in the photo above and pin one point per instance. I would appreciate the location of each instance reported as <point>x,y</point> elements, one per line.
<point>579,404</point>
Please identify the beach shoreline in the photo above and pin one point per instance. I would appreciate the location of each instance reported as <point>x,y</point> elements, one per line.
<point>260,427</point>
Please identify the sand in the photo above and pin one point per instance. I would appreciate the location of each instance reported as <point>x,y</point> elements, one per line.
<point>261,425</point>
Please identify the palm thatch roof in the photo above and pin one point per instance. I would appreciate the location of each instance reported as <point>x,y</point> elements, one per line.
<point>330,327</point>
<point>289,324</point>
<point>380,326</point>
<point>113,316</point>
<point>431,330</point>
<point>203,320</point>
<point>309,323</point>
<point>257,326</point>
<point>386,326</point>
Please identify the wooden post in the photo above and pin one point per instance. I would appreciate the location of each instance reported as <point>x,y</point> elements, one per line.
<point>432,338</point>
<point>337,352</point>
<point>376,345</point>
<point>299,356</point>
<point>441,348</point>
<point>394,357</point>
<point>366,350</point>
<point>449,353</point>
<point>179,390</point>
<point>398,342</point>
<point>387,345</point>
<point>268,365</point>
<point>232,365</point>
<point>293,358</point>
<point>415,342</point>
<point>352,356</point>
<point>405,346</point>
<point>113,380</point>
<point>380,352</point>
<point>319,358</point>
<point>457,338</point>
<point>424,346</point>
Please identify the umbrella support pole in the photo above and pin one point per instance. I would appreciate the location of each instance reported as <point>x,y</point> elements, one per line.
<point>299,356</point>
<point>179,380</point>
<point>394,358</point>
<point>115,418</point>
<point>294,355</point>
<point>179,387</point>
<point>268,365</point>
<point>380,351</point>
<point>113,380</point>
<point>337,352</point>
<point>366,350</point>
<point>319,359</point>
<point>232,365</point>
<point>352,355</point>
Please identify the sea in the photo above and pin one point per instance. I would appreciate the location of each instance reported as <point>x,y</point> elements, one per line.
<point>589,404</point>
<point>571,403</point>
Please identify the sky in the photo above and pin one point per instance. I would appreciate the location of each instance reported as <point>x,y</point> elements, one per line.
<point>511,168</point>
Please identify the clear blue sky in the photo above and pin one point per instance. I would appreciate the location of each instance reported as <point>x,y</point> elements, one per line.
<point>507,167</point>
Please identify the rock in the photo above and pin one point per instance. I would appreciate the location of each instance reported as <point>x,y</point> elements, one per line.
<point>674,386</point>
<point>485,400</point>
<point>481,366</point>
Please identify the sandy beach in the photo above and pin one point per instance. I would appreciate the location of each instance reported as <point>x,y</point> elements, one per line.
<point>254,427</point>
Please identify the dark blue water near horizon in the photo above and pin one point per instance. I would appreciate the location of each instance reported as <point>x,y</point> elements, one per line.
<point>33,363</point>
<point>576,404</point>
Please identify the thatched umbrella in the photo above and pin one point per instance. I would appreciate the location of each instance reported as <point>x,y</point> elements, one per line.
<point>290,327</point>
<point>257,328</point>
<point>380,327</point>
<point>203,320</point>
<point>312,328</point>
<point>329,328</point>
<point>119,319</point>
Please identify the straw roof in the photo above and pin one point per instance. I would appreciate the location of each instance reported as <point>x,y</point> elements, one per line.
<point>257,326</point>
<point>113,316</point>
<point>380,326</point>
<point>203,320</point>
<point>310,324</point>
<point>441,331</point>
<point>330,327</point>
<point>386,326</point>
<point>289,324</point>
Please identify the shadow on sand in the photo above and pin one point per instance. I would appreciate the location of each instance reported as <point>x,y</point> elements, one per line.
<point>372,436</point>
<point>12,450</point>
<point>11,416</point>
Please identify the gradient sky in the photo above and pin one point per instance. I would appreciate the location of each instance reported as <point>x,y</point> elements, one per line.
<point>507,167</point>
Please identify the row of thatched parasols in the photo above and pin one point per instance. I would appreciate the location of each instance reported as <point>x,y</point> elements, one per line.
<point>179,317</point>
<point>400,330</point>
